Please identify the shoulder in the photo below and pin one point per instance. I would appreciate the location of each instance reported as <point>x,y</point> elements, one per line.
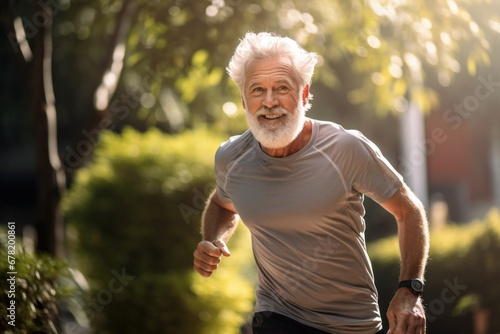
<point>234,147</point>
<point>344,143</point>
<point>333,133</point>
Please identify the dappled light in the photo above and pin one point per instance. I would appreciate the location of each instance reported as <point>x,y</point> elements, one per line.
<point>112,112</point>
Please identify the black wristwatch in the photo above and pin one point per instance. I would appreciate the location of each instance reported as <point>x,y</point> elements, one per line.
<point>416,285</point>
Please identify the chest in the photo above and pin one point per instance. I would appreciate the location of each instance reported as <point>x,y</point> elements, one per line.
<point>290,194</point>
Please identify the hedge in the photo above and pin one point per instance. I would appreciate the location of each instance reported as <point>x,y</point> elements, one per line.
<point>462,274</point>
<point>134,214</point>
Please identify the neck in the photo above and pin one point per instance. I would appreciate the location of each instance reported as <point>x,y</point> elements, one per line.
<point>296,145</point>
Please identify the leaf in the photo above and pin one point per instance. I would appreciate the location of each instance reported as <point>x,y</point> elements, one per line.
<point>214,77</point>
<point>399,87</point>
<point>134,58</point>
<point>471,65</point>
<point>199,58</point>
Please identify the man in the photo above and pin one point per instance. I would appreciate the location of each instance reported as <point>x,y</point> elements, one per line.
<point>298,185</point>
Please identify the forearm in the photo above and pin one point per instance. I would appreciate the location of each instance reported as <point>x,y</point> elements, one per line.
<point>413,236</point>
<point>218,223</point>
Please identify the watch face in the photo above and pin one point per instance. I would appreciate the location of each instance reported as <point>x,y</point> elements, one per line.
<point>417,285</point>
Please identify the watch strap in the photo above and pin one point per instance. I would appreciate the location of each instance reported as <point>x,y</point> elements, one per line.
<point>415,285</point>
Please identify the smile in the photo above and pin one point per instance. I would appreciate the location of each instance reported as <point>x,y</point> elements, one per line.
<point>272,116</point>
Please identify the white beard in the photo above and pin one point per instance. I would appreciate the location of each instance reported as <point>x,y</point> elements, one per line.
<point>280,135</point>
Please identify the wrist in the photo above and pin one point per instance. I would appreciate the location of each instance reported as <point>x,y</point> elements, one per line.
<point>216,242</point>
<point>415,286</point>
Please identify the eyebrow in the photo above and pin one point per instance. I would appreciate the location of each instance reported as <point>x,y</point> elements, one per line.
<point>280,81</point>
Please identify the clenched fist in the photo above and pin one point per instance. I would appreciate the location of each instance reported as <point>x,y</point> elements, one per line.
<point>207,256</point>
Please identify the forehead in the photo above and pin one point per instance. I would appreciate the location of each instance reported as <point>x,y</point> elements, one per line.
<point>271,69</point>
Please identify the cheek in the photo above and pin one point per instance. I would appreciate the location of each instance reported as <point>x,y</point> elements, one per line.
<point>253,104</point>
<point>292,102</point>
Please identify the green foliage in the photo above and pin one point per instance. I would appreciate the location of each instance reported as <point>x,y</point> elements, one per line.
<point>137,208</point>
<point>378,54</point>
<point>462,273</point>
<point>36,290</point>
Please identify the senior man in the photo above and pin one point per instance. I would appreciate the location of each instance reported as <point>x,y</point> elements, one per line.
<point>298,184</point>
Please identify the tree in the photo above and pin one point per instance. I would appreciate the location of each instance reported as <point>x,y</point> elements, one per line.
<point>161,63</point>
<point>50,174</point>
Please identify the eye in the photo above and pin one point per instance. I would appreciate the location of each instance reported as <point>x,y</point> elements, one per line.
<point>257,91</point>
<point>283,88</point>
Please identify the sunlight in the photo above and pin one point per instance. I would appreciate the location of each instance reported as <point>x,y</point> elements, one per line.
<point>230,109</point>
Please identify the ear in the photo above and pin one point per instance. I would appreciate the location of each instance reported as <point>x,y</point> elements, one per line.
<point>243,103</point>
<point>305,94</point>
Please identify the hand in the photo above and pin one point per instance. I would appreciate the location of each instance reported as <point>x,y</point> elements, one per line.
<point>207,256</point>
<point>406,314</point>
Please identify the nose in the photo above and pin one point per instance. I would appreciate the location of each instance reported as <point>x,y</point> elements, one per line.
<point>270,99</point>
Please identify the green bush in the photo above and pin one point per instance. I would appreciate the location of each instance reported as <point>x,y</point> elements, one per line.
<point>134,212</point>
<point>34,289</point>
<point>462,274</point>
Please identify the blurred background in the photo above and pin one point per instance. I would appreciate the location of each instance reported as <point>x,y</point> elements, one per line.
<point>111,112</point>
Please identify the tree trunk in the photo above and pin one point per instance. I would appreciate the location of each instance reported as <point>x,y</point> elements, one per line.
<point>50,174</point>
<point>111,70</point>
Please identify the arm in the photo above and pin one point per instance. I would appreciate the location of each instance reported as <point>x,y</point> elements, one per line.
<point>218,224</point>
<point>406,313</point>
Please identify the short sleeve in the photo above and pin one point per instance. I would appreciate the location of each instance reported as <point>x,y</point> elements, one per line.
<point>221,175</point>
<point>372,174</point>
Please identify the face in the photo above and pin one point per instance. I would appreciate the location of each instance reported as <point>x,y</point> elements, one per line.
<point>274,102</point>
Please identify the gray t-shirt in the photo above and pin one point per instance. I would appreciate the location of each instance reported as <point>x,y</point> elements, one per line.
<point>305,214</point>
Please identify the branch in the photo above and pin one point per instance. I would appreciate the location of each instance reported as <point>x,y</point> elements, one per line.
<point>16,33</point>
<point>114,57</point>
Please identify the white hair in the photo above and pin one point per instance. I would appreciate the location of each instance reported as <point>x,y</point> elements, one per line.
<point>266,45</point>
